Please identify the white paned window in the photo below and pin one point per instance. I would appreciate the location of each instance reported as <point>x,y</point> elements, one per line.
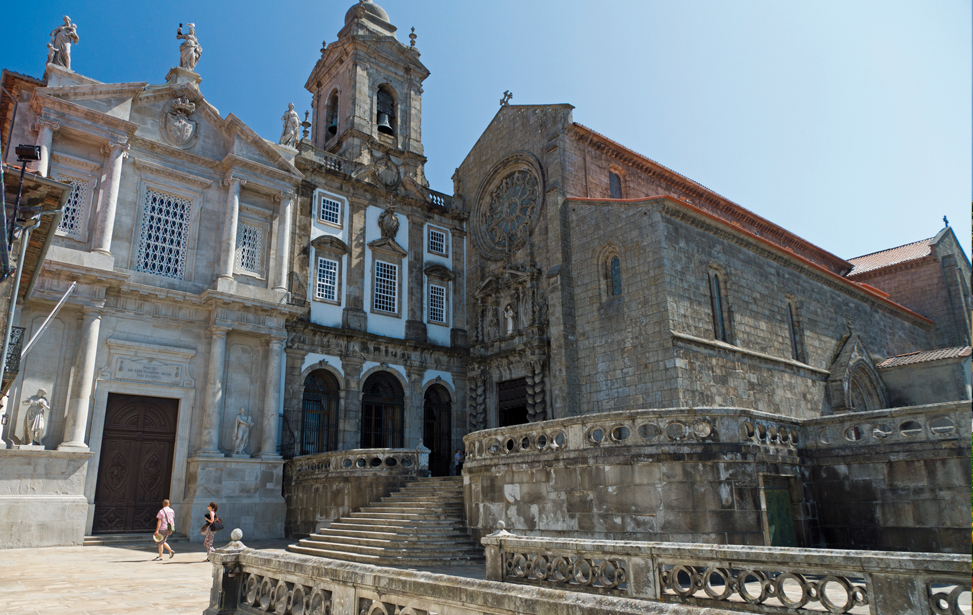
<point>437,303</point>
<point>164,235</point>
<point>73,216</point>
<point>330,211</point>
<point>386,292</point>
<point>249,248</point>
<point>437,242</point>
<point>326,285</point>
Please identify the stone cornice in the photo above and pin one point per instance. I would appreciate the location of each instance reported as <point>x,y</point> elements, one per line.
<point>330,243</point>
<point>110,127</point>
<point>314,337</point>
<point>90,91</point>
<point>691,342</point>
<point>280,180</point>
<point>171,173</point>
<point>171,152</point>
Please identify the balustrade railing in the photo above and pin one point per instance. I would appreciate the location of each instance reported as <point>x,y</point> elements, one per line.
<point>755,579</point>
<point>363,460</point>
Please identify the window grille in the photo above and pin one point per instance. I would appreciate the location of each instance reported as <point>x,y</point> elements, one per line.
<point>616,271</point>
<point>330,211</point>
<point>74,210</point>
<point>326,287</point>
<point>164,235</point>
<point>437,241</point>
<point>615,185</point>
<point>386,291</point>
<point>437,303</point>
<point>249,248</point>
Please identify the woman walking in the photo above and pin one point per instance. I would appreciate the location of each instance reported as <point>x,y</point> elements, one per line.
<point>207,530</point>
<point>165,521</point>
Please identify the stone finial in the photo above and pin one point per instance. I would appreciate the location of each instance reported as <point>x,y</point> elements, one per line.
<point>501,529</point>
<point>507,95</point>
<point>324,46</point>
<point>306,124</point>
<point>945,220</point>
<point>235,544</point>
<point>412,39</point>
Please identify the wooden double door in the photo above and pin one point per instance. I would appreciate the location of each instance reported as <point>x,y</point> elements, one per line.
<point>135,467</point>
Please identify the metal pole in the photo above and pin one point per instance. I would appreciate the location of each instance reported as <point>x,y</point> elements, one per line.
<point>50,317</point>
<point>13,220</point>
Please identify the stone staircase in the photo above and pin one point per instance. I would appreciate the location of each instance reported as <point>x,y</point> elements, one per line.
<point>143,539</point>
<point>422,524</point>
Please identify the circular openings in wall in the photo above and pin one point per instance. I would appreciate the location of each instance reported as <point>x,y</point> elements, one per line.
<point>375,462</point>
<point>826,436</point>
<point>882,431</point>
<point>391,462</point>
<point>361,463</point>
<point>942,426</point>
<point>347,463</point>
<point>782,435</point>
<point>560,439</point>
<point>702,430</point>
<point>596,435</point>
<point>540,442</point>
<point>747,430</point>
<point>620,432</point>
<point>853,433</point>
<point>327,464</point>
<point>407,462</point>
<point>649,431</point>
<point>910,429</point>
<point>771,434</point>
<point>762,433</point>
<point>793,435</point>
<point>494,447</point>
<point>676,430</point>
<point>525,443</point>
<point>508,445</point>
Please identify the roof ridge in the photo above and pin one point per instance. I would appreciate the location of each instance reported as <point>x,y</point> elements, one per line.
<point>905,245</point>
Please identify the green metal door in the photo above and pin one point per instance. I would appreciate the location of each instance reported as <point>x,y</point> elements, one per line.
<point>780,518</point>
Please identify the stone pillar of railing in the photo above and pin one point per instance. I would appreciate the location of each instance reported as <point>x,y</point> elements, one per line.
<point>76,423</point>
<point>230,220</point>
<point>493,546</point>
<point>117,152</point>
<point>268,441</point>
<point>45,139</point>
<point>284,240</point>
<point>210,445</point>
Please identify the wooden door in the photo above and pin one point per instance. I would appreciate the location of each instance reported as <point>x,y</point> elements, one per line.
<point>135,466</point>
<point>512,402</point>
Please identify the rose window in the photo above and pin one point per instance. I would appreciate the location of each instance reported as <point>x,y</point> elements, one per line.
<point>511,210</point>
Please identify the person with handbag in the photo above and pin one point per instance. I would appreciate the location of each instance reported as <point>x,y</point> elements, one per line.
<point>212,525</point>
<point>165,521</point>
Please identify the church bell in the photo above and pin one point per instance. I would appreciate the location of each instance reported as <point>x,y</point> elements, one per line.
<point>383,124</point>
<point>333,128</point>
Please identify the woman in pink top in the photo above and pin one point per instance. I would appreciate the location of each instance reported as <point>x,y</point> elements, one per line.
<point>165,520</point>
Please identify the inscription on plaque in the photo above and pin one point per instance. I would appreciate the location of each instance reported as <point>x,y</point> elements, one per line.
<point>147,370</point>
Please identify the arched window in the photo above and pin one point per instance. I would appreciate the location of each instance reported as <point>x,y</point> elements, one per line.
<point>320,416</point>
<point>862,390</point>
<point>718,305</point>
<point>614,185</point>
<point>381,405</point>
<point>332,114</point>
<point>797,335</point>
<point>385,117</point>
<point>437,429</point>
<point>616,276</point>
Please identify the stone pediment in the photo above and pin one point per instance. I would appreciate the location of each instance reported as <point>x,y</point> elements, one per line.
<point>330,243</point>
<point>389,248</point>
<point>436,270</point>
<point>853,363</point>
<point>509,277</point>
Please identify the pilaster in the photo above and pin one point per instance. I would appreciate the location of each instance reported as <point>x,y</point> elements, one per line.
<point>271,410</point>
<point>353,317</point>
<point>210,440</point>
<point>79,405</point>
<point>117,152</point>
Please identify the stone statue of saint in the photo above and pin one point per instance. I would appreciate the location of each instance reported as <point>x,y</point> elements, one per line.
<point>508,315</point>
<point>241,434</point>
<point>292,121</point>
<point>190,50</point>
<point>35,423</point>
<point>59,49</point>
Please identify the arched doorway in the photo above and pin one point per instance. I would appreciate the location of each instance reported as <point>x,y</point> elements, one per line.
<point>319,425</point>
<point>862,391</point>
<point>381,408</point>
<point>436,428</point>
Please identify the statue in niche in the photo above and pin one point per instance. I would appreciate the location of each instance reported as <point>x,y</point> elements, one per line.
<point>492,326</point>
<point>59,49</point>
<point>241,433</point>
<point>292,121</point>
<point>35,423</point>
<point>508,316</point>
<point>190,50</point>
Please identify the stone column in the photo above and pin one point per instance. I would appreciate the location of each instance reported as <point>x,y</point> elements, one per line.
<point>284,240</point>
<point>353,316</point>
<point>349,415</point>
<point>76,422</point>
<point>414,418</point>
<point>415,327</point>
<point>45,138</point>
<point>293,407</point>
<point>268,440</point>
<point>117,152</point>
<point>232,213</point>
<point>458,337</point>
<point>210,440</point>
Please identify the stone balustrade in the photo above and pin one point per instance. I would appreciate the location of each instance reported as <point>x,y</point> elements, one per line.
<point>754,579</point>
<point>362,460</point>
<point>330,161</point>
<point>440,199</point>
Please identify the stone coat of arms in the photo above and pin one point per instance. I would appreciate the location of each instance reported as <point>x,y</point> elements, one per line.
<point>178,127</point>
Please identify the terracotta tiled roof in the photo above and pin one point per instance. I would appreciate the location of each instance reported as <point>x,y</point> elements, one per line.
<point>924,356</point>
<point>892,256</point>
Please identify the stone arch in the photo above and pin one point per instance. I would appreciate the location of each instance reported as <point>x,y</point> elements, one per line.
<point>854,379</point>
<point>387,102</point>
<point>384,398</point>
<point>438,404</point>
<point>864,388</point>
<point>610,268</point>
<point>321,402</point>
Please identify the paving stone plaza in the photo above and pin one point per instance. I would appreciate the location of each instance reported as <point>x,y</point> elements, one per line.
<point>665,402</point>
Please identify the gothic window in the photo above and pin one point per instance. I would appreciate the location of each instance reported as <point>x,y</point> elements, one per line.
<point>437,304</point>
<point>438,243</point>
<point>797,336</point>
<point>386,288</point>
<point>382,401</point>
<point>385,117</point>
<point>614,185</point>
<point>249,248</point>
<point>320,413</point>
<point>164,234</point>
<point>616,276</point>
<point>326,284</point>
<point>718,306</point>
<point>329,211</point>
<point>75,214</point>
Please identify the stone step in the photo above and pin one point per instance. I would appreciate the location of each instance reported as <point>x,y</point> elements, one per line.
<point>403,523</point>
<point>123,540</point>
<point>422,516</point>
<point>387,561</point>
<point>409,507</point>
<point>388,535</point>
<point>386,551</point>
<point>389,542</point>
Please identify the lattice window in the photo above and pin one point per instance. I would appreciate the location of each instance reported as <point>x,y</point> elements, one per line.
<point>249,248</point>
<point>330,211</point>
<point>437,242</point>
<point>615,185</point>
<point>326,286</point>
<point>164,235</point>
<point>73,216</point>
<point>386,292</point>
<point>437,303</point>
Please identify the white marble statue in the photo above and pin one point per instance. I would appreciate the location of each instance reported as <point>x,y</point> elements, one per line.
<point>59,49</point>
<point>190,50</point>
<point>35,422</point>
<point>241,434</point>
<point>508,315</point>
<point>292,122</point>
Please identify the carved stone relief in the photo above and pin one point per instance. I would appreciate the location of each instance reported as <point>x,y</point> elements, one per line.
<point>178,127</point>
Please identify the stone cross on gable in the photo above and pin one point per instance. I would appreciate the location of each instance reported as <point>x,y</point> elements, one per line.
<point>507,95</point>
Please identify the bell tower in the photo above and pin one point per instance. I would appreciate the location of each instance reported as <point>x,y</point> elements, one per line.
<point>367,93</point>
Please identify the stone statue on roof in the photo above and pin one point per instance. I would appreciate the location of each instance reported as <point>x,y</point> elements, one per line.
<point>292,121</point>
<point>59,49</point>
<point>190,50</point>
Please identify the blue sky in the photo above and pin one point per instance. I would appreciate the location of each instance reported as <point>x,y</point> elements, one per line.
<point>848,123</point>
